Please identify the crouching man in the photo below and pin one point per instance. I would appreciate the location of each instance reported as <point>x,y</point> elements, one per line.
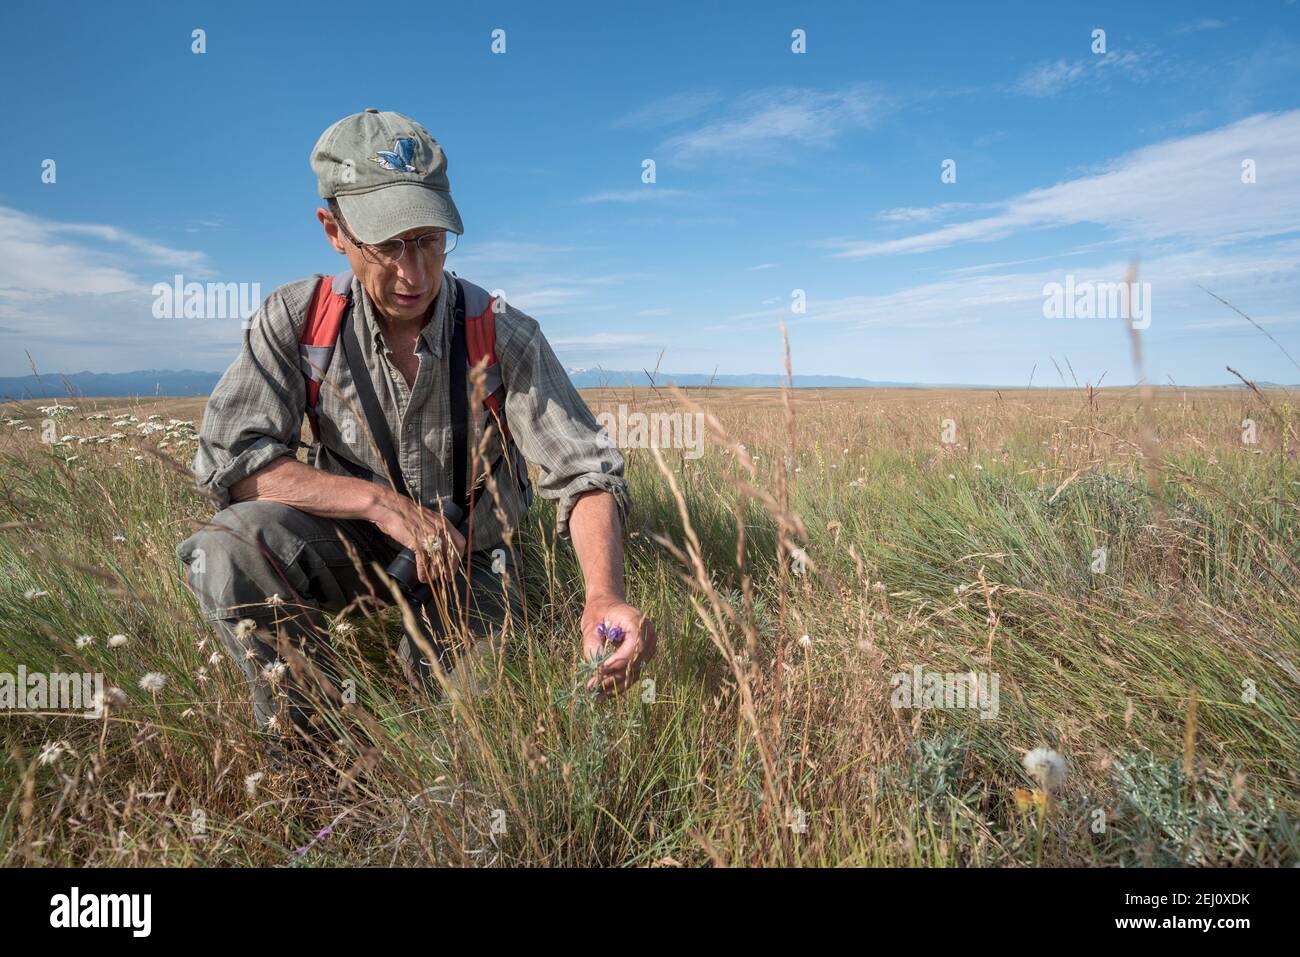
<point>427,398</point>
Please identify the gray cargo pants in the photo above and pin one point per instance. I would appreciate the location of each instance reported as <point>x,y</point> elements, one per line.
<point>252,551</point>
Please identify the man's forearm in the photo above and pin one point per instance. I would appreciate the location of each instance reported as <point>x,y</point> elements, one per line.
<point>311,490</point>
<point>597,535</point>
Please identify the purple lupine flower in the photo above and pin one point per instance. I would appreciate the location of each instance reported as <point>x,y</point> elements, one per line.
<point>600,631</point>
<point>320,836</point>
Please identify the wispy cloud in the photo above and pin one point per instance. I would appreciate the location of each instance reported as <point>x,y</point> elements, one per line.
<point>770,122</point>
<point>1197,26</point>
<point>492,255</point>
<point>668,111</point>
<point>42,257</point>
<point>921,214</point>
<point>598,341</point>
<point>79,296</point>
<point>648,193</point>
<point>1189,187</point>
<point>1049,78</point>
<point>1266,284</point>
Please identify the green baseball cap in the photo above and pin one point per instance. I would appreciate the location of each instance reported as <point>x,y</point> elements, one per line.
<point>387,174</point>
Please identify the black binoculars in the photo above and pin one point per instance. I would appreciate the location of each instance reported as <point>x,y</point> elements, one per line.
<point>403,569</point>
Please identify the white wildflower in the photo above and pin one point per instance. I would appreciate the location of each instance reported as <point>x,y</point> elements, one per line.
<point>153,682</point>
<point>252,781</point>
<point>51,751</point>
<point>1046,767</point>
<point>107,701</point>
<point>85,641</point>
<point>117,641</point>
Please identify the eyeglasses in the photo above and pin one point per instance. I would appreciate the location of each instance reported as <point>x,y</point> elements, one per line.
<point>391,251</point>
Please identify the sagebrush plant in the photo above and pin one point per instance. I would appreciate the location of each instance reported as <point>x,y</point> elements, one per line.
<point>1168,681</point>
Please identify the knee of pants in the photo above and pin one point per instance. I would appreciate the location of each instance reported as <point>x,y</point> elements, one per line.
<point>243,555</point>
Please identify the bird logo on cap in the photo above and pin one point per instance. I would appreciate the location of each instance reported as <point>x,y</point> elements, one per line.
<point>399,160</point>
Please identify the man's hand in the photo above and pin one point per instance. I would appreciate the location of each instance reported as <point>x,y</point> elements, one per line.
<point>622,669</point>
<point>341,496</point>
<point>437,544</point>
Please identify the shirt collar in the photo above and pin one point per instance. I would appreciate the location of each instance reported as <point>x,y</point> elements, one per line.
<point>434,332</point>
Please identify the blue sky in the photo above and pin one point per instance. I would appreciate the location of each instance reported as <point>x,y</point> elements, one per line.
<point>776,171</point>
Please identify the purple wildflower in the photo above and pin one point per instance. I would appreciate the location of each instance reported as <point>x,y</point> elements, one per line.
<point>320,836</point>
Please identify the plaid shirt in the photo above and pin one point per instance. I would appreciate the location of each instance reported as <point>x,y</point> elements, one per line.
<point>255,414</point>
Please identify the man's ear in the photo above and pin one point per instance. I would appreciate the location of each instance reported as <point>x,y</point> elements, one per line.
<point>331,230</point>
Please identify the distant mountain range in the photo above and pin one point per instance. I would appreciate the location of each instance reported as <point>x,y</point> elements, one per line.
<point>188,382</point>
<point>144,383</point>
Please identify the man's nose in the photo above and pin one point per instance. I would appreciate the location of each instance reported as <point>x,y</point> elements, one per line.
<point>412,268</point>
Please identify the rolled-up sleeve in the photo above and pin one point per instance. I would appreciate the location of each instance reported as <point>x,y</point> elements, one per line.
<point>254,416</point>
<point>552,424</point>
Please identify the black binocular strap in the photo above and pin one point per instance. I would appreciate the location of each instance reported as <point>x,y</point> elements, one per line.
<point>375,420</point>
<point>457,365</point>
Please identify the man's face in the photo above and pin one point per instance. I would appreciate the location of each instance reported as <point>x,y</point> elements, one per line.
<point>402,291</point>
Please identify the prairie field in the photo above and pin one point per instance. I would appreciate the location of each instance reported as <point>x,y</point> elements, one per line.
<point>1118,568</point>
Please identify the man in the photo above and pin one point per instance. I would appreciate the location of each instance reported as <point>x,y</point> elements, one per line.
<point>288,538</point>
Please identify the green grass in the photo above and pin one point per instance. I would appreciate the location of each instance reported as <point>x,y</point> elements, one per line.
<point>925,560</point>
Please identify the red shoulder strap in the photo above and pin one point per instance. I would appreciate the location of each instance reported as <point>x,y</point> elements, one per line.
<point>319,335</point>
<point>480,341</point>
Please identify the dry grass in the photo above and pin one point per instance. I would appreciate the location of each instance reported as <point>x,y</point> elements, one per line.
<point>758,747</point>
